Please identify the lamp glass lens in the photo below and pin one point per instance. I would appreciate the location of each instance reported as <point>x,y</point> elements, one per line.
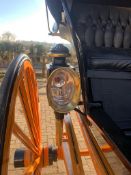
<point>62,88</point>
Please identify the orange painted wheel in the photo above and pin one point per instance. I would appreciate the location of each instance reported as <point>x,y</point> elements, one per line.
<point>20,81</point>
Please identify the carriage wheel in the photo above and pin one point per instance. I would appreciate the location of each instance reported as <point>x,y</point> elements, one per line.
<point>20,80</point>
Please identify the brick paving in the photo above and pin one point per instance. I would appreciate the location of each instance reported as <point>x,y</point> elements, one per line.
<point>48,136</point>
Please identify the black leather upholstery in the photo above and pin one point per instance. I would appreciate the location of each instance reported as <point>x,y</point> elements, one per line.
<point>112,62</point>
<point>103,26</point>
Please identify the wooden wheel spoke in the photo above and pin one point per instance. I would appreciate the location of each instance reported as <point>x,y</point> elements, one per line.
<point>24,139</point>
<point>34,99</point>
<point>24,96</point>
<point>31,169</point>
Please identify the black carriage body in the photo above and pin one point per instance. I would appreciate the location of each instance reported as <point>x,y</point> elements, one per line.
<point>105,64</point>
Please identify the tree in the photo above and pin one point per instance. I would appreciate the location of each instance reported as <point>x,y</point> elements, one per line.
<point>8,36</point>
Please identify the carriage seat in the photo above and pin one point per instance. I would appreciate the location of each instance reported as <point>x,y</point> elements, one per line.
<point>110,77</point>
<point>105,33</point>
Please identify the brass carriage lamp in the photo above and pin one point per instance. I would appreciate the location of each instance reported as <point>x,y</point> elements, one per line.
<point>63,87</point>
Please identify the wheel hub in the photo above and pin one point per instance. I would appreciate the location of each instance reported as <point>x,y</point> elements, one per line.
<point>24,158</point>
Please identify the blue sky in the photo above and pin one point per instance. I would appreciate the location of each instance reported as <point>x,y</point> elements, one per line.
<point>10,10</point>
<point>26,19</point>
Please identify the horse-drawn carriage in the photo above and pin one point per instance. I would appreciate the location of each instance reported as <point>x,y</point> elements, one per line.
<point>101,33</point>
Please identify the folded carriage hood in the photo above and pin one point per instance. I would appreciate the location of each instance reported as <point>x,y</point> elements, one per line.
<point>55,6</point>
